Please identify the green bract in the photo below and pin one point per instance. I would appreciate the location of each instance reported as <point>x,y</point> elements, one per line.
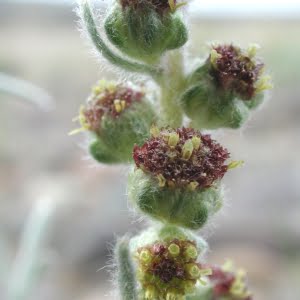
<point>114,143</point>
<point>178,206</point>
<point>143,33</point>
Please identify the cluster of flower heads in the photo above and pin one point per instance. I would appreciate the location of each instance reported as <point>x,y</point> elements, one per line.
<point>169,270</point>
<point>228,282</point>
<point>238,71</point>
<point>107,99</point>
<point>182,158</point>
<point>160,6</point>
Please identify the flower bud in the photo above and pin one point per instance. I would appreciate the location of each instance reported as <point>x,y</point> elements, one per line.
<point>178,184</point>
<point>168,273</point>
<point>145,29</point>
<point>118,116</point>
<point>224,90</point>
<point>228,283</point>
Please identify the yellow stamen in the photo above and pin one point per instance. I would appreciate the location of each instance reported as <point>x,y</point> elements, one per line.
<point>206,272</point>
<point>214,56</point>
<point>187,149</point>
<point>123,104</point>
<point>191,252</point>
<point>154,131</point>
<point>252,50</point>
<point>161,180</point>
<point>174,250</point>
<point>145,256</point>
<point>196,142</point>
<point>77,130</point>
<point>264,83</point>
<point>118,105</point>
<point>234,164</point>
<point>173,139</point>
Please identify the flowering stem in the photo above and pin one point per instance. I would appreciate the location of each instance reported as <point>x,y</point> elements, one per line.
<point>101,46</point>
<point>172,84</point>
<point>126,278</point>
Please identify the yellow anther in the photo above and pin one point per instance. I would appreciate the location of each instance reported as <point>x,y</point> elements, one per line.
<point>161,180</point>
<point>111,87</point>
<point>264,83</point>
<point>206,272</point>
<point>193,270</point>
<point>82,120</point>
<point>173,139</point>
<point>77,130</point>
<point>193,185</point>
<point>187,149</point>
<point>174,250</point>
<point>154,131</point>
<point>96,90</point>
<point>118,105</point>
<point>214,56</point>
<point>252,50</point>
<point>234,164</point>
<point>123,104</point>
<point>196,142</point>
<point>191,252</point>
<point>145,256</point>
<point>150,293</point>
<point>228,266</point>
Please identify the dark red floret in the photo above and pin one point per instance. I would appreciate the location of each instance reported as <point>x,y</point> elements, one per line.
<point>104,104</point>
<point>205,166</point>
<point>166,269</point>
<point>235,71</point>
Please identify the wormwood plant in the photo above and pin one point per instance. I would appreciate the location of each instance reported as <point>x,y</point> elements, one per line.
<point>177,169</point>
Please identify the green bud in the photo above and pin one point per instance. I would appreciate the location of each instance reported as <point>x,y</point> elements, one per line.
<point>144,30</point>
<point>118,116</point>
<point>225,88</point>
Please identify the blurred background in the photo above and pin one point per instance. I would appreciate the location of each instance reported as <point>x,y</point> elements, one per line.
<point>47,175</point>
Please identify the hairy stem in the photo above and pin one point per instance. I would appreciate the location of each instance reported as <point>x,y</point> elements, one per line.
<point>172,85</point>
<point>126,277</point>
<point>101,46</point>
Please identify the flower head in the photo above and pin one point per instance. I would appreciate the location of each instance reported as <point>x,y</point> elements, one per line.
<point>226,281</point>
<point>107,99</point>
<point>169,270</point>
<point>182,158</point>
<point>238,71</point>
